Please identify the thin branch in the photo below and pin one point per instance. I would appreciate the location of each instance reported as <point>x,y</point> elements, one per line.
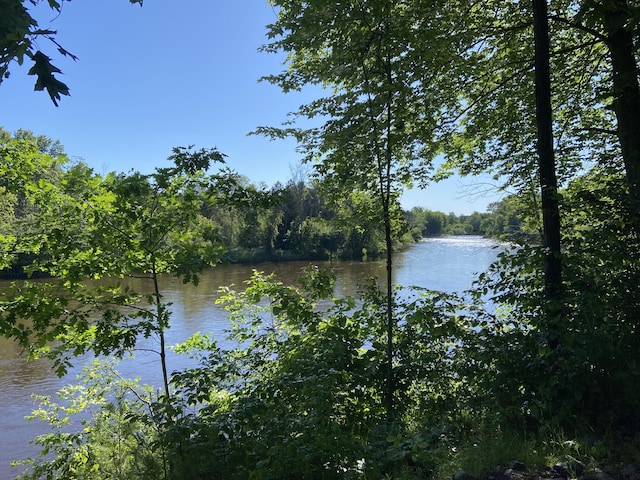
<point>579,26</point>
<point>606,131</point>
<point>151,350</point>
<point>573,48</point>
<point>471,105</point>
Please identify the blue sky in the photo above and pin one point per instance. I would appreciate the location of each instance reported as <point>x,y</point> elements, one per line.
<point>174,74</point>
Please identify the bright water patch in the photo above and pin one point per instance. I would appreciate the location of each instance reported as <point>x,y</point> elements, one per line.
<point>449,264</point>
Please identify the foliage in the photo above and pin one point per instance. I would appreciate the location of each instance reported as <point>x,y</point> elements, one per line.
<point>24,158</point>
<point>299,397</point>
<point>482,451</point>
<point>302,394</point>
<point>19,35</point>
<point>307,384</point>
<point>320,387</point>
<point>100,428</point>
<point>602,267</point>
<point>508,219</point>
<point>291,221</point>
<point>534,385</point>
<point>376,134</point>
<point>85,227</point>
<point>302,222</point>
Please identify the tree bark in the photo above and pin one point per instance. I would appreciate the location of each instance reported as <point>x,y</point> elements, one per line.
<point>626,98</point>
<point>390,319</point>
<point>160,313</point>
<point>546,155</point>
<point>547,171</point>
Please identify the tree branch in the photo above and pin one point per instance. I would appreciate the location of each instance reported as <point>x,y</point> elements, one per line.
<point>579,26</point>
<point>606,131</point>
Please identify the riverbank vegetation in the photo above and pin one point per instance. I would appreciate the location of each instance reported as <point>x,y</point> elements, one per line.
<point>293,220</point>
<point>395,383</point>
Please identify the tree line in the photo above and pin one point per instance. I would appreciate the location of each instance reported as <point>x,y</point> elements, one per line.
<point>294,220</point>
<point>504,219</point>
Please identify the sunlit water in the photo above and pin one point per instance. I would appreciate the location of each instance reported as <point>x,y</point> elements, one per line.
<point>446,263</point>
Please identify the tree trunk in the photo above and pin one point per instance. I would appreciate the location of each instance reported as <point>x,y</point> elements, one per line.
<point>160,318</point>
<point>547,171</point>
<point>386,196</point>
<point>626,98</point>
<point>390,319</point>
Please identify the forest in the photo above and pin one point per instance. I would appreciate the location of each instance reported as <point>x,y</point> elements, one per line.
<point>287,221</point>
<point>543,95</point>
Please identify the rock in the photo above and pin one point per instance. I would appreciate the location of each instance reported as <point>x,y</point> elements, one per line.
<point>595,474</point>
<point>511,474</point>
<point>629,472</point>
<point>462,475</point>
<point>560,470</point>
<point>517,466</point>
<point>515,471</point>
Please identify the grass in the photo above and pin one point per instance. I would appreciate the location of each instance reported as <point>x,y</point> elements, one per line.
<point>484,453</point>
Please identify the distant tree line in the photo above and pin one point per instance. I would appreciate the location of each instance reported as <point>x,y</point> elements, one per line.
<point>285,222</point>
<point>296,220</point>
<point>302,223</point>
<point>299,223</point>
<point>504,219</point>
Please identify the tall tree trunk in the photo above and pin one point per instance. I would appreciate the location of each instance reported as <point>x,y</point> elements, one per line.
<point>385,190</point>
<point>384,156</point>
<point>390,319</point>
<point>626,97</point>
<point>547,171</point>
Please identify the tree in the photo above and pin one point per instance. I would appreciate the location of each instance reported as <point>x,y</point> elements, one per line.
<point>602,271</point>
<point>547,172</point>
<point>378,119</point>
<point>510,218</point>
<point>594,91</point>
<point>614,24</point>
<point>125,225</point>
<point>19,35</point>
<point>154,226</point>
<point>435,223</point>
<point>500,126</point>
<point>24,160</point>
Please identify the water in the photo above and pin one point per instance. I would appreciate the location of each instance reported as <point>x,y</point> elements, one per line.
<point>447,263</point>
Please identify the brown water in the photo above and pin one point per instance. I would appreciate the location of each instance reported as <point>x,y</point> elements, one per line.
<point>447,264</point>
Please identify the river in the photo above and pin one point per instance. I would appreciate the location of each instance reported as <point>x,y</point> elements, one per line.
<point>444,263</point>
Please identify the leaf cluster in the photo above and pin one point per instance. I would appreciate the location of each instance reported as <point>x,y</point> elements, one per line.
<point>19,35</point>
<point>94,238</point>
